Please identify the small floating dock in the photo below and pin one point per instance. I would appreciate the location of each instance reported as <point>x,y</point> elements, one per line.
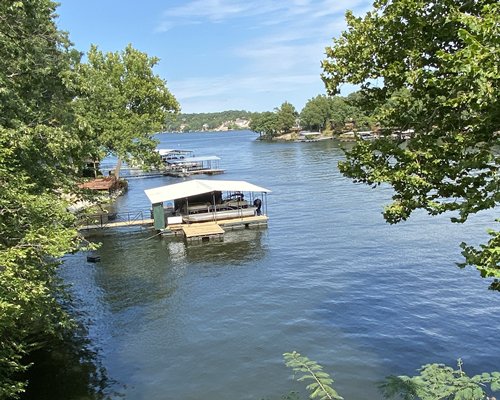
<point>203,232</point>
<point>257,221</point>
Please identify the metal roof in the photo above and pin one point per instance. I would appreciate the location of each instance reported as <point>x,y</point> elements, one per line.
<point>198,186</point>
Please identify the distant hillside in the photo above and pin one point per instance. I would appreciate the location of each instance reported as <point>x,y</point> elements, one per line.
<point>219,121</point>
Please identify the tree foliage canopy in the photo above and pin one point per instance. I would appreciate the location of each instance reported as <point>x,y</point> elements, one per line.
<point>316,113</point>
<point>265,124</point>
<point>270,124</point>
<point>206,121</point>
<point>34,227</point>
<point>55,112</point>
<point>321,112</point>
<point>438,64</point>
<point>287,116</point>
<point>122,102</point>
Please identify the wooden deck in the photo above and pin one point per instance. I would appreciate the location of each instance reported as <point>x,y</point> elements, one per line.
<point>227,225</point>
<point>203,231</point>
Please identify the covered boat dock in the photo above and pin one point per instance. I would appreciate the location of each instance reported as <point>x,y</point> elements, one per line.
<point>207,165</point>
<point>182,163</point>
<point>218,203</point>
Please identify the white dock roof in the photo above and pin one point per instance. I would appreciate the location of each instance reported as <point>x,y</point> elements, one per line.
<point>199,186</point>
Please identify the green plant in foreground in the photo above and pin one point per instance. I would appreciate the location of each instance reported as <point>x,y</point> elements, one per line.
<point>438,381</point>
<point>435,382</point>
<point>311,371</point>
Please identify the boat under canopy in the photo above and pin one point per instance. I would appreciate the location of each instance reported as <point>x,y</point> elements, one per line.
<point>218,201</point>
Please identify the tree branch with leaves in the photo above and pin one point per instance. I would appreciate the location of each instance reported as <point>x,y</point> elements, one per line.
<point>439,67</point>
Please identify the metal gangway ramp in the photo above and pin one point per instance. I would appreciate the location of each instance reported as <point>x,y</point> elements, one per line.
<point>139,218</point>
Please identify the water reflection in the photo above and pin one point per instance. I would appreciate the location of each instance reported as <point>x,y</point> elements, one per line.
<point>137,270</point>
<point>140,270</point>
<point>238,247</point>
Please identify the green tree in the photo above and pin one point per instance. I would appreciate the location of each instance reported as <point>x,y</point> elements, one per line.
<point>122,102</point>
<point>266,124</point>
<point>322,111</point>
<point>36,153</point>
<point>342,112</point>
<point>361,110</point>
<point>286,115</point>
<point>439,64</point>
<point>316,113</point>
<point>47,130</point>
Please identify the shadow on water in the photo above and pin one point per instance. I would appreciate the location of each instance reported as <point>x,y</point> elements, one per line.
<point>67,369</point>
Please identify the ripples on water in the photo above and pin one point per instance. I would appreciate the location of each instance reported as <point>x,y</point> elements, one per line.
<point>328,278</point>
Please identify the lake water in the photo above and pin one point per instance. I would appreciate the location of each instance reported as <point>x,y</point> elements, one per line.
<point>327,278</point>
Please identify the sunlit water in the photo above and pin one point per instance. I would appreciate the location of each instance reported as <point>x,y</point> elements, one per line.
<point>328,278</point>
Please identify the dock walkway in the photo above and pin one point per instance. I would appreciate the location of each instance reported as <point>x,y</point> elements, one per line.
<point>199,231</point>
<point>115,220</point>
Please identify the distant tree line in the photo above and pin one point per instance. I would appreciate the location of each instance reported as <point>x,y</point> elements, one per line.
<point>320,113</point>
<point>207,121</point>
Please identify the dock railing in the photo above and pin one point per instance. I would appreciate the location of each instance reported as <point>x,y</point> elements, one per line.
<point>110,220</point>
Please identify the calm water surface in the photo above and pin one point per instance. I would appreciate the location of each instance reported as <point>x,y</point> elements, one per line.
<point>328,278</point>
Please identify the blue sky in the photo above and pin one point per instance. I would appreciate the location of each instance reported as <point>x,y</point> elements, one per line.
<point>220,55</point>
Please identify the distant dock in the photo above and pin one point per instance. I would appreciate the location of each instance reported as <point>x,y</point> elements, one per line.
<point>182,163</point>
<point>185,173</point>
